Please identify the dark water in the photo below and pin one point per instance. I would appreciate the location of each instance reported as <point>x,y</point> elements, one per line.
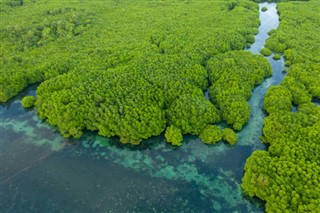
<point>42,172</point>
<point>316,101</point>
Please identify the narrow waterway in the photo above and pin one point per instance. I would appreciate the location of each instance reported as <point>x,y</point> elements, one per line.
<point>42,172</point>
<point>269,20</point>
<point>252,132</point>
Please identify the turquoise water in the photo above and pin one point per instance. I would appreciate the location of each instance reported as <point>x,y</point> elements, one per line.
<point>43,172</point>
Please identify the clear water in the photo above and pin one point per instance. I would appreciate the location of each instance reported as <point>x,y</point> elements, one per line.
<point>268,20</point>
<point>43,172</point>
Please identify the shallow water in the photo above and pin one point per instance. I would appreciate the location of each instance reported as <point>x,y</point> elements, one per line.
<point>268,20</point>
<point>43,172</point>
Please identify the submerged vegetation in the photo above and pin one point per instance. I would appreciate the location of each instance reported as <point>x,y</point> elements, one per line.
<point>287,175</point>
<point>138,74</point>
<point>140,69</point>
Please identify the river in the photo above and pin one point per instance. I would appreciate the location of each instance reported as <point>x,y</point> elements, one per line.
<point>42,172</point>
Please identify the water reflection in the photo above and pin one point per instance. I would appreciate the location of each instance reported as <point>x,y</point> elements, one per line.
<point>269,20</point>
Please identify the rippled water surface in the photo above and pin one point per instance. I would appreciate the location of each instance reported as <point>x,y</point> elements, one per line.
<point>42,172</point>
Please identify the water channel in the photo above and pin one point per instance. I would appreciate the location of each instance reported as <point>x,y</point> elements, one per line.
<point>40,172</point>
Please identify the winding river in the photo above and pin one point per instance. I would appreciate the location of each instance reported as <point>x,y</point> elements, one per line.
<point>41,172</point>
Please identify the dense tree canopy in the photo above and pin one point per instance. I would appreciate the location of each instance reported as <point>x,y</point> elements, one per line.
<point>211,134</point>
<point>287,176</point>
<point>136,69</point>
<point>278,98</point>
<point>232,76</point>
<point>265,51</point>
<point>28,101</point>
<point>229,136</point>
<point>40,40</point>
<point>173,136</point>
<point>131,69</point>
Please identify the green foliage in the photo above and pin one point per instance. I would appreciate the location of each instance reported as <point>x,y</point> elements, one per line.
<point>129,76</point>
<point>233,75</point>
<point>34,51</point>
<point>211,134</point>
<point>264,9</point>
<point>250,39</point>
<point>139,104</point>
<point>272,31</point>
<point>15,3</point>
<point>307,74</point>
<point>276,56</point>
<point>173,136</point>
<point>230,136</point>
<point>191,114</point>
<point>265,51</point>
<point>57,23</point>
<point>45,39</point>
<point>297,35</point>
<point>300,94</point>
<point>28,101</point>
<point>287,175</point>
<point>278,98</point>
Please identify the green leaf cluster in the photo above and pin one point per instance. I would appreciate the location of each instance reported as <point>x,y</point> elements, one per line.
<point>211,134</point>
<point>307,74</point>
<point>265,51</point>
<point>57,23</point>
<point>232,76</point>
<point>13,3</point>
<point>287,175</point>
<point>230,136</point>
<point>33,51</point>
<point>192,114</point>
<point>173,136</point>
<point>41,40</point>
<point>278,98</point>
<point>28,101</point>
<point>276,56</point>
<point>132,69</point>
